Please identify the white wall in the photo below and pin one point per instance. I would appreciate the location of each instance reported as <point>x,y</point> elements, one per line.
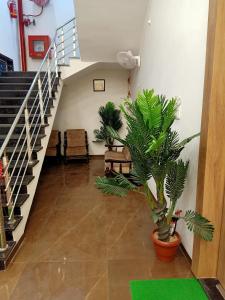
<point>8,35</point>
<point>106,27</point>
<point>55,14</point>
<point>172,53</point>
<point>79,104</point>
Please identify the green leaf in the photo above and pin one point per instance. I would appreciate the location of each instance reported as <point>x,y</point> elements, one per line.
<point>169,113</point>
<point>175,179</point>
<point>118,185</point>
<point>109,117</point>
<point>199,225</point>
<point>155,144</point>
<point>188,140</point>
<point>150,108</point>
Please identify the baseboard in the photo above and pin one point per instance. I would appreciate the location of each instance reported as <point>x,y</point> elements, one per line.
<point>187,256</point>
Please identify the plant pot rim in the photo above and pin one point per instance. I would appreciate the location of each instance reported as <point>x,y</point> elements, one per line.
<point>166,244</point>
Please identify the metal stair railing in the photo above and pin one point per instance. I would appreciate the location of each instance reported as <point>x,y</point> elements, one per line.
<point>63,46</point>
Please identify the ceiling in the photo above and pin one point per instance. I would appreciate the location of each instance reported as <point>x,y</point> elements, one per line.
<point>106,27</point>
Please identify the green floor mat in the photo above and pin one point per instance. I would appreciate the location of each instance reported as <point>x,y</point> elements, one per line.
<point>167,289</point>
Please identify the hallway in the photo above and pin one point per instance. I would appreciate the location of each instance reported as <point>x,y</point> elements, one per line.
<point>80,244</point>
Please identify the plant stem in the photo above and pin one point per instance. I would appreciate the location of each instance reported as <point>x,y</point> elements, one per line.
<point>152,202</point>
<point>163,230</point>
<point>160,191</point>
<point>170,212</point>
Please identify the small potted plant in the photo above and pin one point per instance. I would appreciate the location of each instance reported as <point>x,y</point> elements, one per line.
<point>155,150</point>
<point>110,118</point>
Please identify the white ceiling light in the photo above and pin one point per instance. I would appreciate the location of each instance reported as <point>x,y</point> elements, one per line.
<point>127,60</point>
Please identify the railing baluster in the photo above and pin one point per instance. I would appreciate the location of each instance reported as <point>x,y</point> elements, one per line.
<point>49,78</point>
<point>3,243</point>
<point>8,191</point>
<point>63,46</point>
<point>74,39</point>
<point>28,137</point>
<point>41,104</point>
<point>56,61</point>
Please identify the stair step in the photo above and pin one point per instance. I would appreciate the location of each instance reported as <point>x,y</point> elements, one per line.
<point>19,74</point>
<point>12,227</point>
<point>23,163</point>
<point>14,138</point>
<point>21,198</point>
<point>24,86</point>
<point>17,93</point>
<point>18,149</point>
<point>6,256</point>
<point>14,109</point>
<point>16,79</point>
<point>20,93</point>
<point>14,115</point>
<point>25,181</point>
<point>19,125</point>
<point>9,118</point>
<point>4,128</point>
<point>17,101</point>
<point>18,106</point>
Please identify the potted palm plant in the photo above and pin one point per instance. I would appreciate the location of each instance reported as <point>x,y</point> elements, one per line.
<point>110,118</point>
<point>155,150</point>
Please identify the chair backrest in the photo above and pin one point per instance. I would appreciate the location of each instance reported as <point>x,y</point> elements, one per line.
<point>126,153</point>
<point>76,138</point>
<point>54,139</point>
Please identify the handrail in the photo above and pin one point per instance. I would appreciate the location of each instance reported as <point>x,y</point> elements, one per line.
<point>6,141</point>
<point>69,21</point>
<point>15,168</point>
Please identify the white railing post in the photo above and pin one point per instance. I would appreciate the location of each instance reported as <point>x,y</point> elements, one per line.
<point>41,104</point>
<point>63,46</point>
<point>74,41</point>
<point>8,190</point>
<point>49,78</point>
<point>56,61</point>
<point>3,243</point>
<point>28,137</point>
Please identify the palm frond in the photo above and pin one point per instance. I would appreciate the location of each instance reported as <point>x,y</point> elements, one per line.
<point>188,140</point>
<point>169,113</point>
<point>155,144</point>
<point>199,225</point>
<point>151,108</point>
<point>175,179</point>
<point>118,186</point>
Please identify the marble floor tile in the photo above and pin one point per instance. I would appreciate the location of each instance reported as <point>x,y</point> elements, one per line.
<point>82,245</point>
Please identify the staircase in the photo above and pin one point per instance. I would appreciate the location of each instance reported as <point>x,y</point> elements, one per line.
<point>28,105</point>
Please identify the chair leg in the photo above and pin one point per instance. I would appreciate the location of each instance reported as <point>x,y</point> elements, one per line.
<point>107,172</point>
<point>65,160</point>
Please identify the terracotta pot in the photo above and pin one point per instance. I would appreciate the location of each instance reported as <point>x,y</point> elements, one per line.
<point>165,251</point>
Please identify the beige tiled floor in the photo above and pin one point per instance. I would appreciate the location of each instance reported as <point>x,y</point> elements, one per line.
<point>83,245</point>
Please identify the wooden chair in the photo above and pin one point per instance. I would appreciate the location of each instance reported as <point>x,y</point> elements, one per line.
<point>54,145</point>
<point>75,144</point>
<point>118,161</point>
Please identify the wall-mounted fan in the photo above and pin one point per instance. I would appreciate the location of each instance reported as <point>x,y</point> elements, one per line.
<point>127,60</point>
